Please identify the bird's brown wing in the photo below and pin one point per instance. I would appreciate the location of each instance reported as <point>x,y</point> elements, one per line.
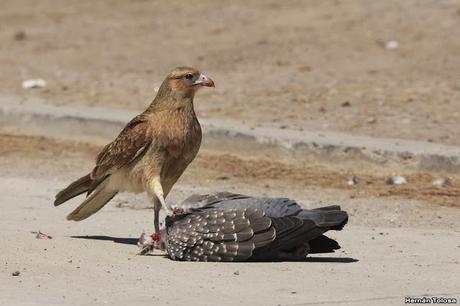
<point>130,144</point>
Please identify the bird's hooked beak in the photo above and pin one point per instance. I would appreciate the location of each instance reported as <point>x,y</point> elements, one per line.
<point>204,81</point>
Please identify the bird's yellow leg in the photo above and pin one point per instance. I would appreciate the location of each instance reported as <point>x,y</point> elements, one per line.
<point>157,190</point>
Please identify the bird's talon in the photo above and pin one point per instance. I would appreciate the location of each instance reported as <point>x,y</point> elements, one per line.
<point>177,211</point>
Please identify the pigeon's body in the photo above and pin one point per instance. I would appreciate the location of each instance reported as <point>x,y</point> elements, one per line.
<point>272,207</point>
<point>150,153</point>
<point>230,227</point>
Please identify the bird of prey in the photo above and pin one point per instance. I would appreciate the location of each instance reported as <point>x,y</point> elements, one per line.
<point>233,227</point>
<point>150,153</point>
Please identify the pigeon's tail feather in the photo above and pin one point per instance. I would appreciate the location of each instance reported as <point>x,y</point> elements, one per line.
<point>323,244</point>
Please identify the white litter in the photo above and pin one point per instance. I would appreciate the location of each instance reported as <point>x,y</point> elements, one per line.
<point>392,44</point>
<point>441,182</point>
<point>352,181</point>
<point>396,180</point>
<point>33,83</point>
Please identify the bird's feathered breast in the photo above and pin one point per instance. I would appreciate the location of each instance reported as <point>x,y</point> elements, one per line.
<point>177,131</point>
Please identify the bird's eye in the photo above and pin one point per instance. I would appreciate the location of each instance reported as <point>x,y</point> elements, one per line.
<point>189,76</point>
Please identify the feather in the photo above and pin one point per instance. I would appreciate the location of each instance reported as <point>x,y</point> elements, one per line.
<point>93,203</point>
<point>76,188</point>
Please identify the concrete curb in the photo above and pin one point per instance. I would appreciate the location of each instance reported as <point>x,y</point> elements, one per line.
<point>34,116</point>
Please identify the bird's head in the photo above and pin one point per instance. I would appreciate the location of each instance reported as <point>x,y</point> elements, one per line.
<point>183,82</point>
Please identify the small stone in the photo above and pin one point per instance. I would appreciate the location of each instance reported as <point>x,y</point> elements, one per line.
<point>371,120</point>
<point>396,180</point>
<point>33,83</point>
<point>305,68</point>
<point>236,272</point>
<point>392,44</point>
<point>346,104</point>
<point>441,182</point>
<point>20,35</point>
<point>222,178</point>
<point>352,181</point>
<point>16,273</point>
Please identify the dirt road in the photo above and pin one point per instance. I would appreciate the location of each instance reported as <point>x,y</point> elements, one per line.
<point>319,65</point>
<point>394,246</point>
<point>385,69</point>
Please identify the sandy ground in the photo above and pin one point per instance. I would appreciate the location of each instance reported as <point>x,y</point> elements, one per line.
<point>316,64</point>
<point>394,246</point>
<point>305,65</point>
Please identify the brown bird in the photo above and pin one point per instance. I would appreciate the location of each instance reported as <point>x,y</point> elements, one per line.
<point>150,153</point>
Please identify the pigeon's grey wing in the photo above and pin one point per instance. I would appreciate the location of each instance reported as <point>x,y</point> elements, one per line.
<point>197,201</point>
<point>329,217</point>
<point>218,235</point>
<point>272,207</point>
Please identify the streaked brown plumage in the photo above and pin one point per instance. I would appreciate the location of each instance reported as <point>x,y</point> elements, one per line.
<point>150,153</point>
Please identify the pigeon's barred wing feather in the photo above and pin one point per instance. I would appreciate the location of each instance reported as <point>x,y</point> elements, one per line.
<point>218,235</point>
<point>329,217</point>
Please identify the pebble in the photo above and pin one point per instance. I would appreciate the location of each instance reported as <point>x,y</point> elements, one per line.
<point>392,44</point>
<point>352,181</point>
<point>236,272</point>
<point>396,180</point>
<point>371,120</point>
<point>16,273</point>
<point>441,182</point>
<point>33,83</point>
<point>20,35</point>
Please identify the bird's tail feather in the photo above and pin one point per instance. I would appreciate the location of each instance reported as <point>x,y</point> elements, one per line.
<point>323,244</point>
<point>78,187</point>
<point>93,203</point>
<point>328,218</point>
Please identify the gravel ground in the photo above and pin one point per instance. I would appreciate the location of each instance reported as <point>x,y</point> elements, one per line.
<point>394,246</point>
<point>378,68</point>
<point>316,65</point>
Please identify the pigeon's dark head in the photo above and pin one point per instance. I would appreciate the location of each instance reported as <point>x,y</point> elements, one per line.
<point>160,240</point>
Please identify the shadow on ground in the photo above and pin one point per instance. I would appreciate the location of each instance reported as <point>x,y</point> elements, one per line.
<point>131,241</point>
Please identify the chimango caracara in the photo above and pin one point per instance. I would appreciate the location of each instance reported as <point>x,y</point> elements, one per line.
<point>150,153</point>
